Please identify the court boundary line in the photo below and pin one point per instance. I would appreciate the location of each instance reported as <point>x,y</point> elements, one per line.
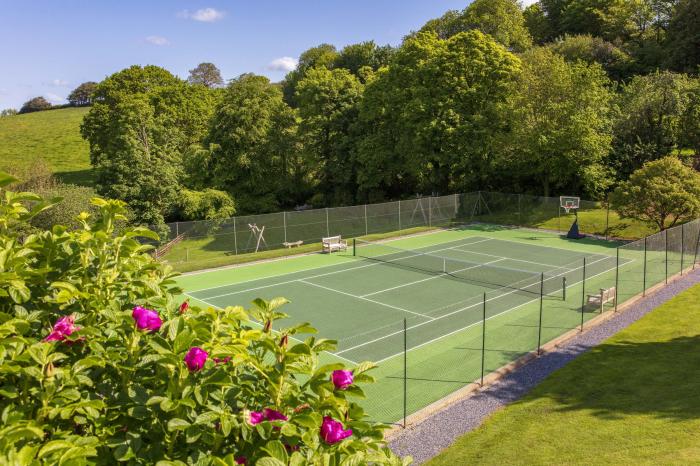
<point>366,299</point>
<point>457,248</point>
<point>461,310</point>
<point>255,322</point>
<point>304,278</point>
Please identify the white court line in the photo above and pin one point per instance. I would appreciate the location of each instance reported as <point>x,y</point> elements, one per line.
<point>347,269</point>
<point>367,299</point>
<point>457,248</point>
<point>258,323</point>
<point>319,267</point>
<point>457,311</point>
<point>429,278</point>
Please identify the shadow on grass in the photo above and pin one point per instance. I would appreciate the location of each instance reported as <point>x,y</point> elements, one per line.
<point>653,378</point>
<point>84,177</point>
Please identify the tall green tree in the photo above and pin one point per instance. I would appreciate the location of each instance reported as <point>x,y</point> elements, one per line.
<point>354,57</point>
<point>35,104</point>
<point>501,19</point>
<point>141,122</point>
<point>252,144</point>
<point>683,40</point>
<point>615,61</point>
<point>430,121</point>
<point>206,74</point>
<point>561,124</point>
<point>321,56</point>
<point>82,95</point>
<point>328,106</point>
<point>648,125</point>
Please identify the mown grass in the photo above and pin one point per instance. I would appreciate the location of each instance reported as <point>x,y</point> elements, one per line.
<point>631,400</point>
<point>53,136</point>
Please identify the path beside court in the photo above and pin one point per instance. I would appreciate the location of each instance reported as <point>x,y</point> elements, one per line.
<point>440,430</point>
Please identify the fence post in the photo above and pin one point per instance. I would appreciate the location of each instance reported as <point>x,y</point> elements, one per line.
<point>483,339</point>
<point>682,246</point>
<point>520,220</point>
<point>235,237</point>
<point>666,253</point>
<point>583,293</point>
<point>430,211</point>
<point>399,214</point>
<point>177,229</point>
<point>405,370</point>
<point>328,226</point>
<point>617,277</point>
<point>539,328</point>
<point>607,220</point>
<point>366,230</point>
<point>284,221</point>
<point>644,274</point>
<point>695,257</point>
<point>456,205</point>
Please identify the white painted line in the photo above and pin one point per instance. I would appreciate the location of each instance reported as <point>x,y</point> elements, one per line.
<point>275,331</point>
<point>513,259</point>
<point>367,299</point>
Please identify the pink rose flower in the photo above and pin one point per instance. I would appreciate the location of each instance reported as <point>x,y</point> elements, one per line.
<point>146,319</point>
<point>62,328</point>
<point>267,414</point>
<point>241,460</point>
<point>342,379</point>
<point>184,306</point>
<point>222,360</point>
<point>256,418</point>
<point>332,431</point>
<point>195,358</point>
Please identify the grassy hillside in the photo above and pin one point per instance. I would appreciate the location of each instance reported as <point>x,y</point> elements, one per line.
<point>631,400</point>
<point>51,135</point>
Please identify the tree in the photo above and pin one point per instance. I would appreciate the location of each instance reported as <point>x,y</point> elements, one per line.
<point>141,122</point>
<point>82,95</point>
<point>327,102</point>
<point>690,120</point>
<point>8,112</point>
<point>209,204</point>
<point>354,57</point>
<point>251,145</point>
<point>683,44</point>
<point>662,192</point>
<point>206,74</point>
<point>648,122</point>
<point>614,61</point>
<point>538,24</point>
<point>323,55</point>
<point>36,104</point>
<point>561,124</point>
<point>430,121</point>
<point>501,19</point>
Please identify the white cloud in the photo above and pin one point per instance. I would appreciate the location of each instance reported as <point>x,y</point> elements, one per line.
<point>157,40</point>
<point>205,15</point>
<point>283,64</point>
<point>55,99</point>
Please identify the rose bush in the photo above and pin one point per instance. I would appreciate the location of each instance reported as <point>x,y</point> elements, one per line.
<point>101,362</point>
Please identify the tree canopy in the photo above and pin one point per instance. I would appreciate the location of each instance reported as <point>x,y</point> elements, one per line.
<point>35,104</point>
<point>82,95</point>
<point>206,74</point>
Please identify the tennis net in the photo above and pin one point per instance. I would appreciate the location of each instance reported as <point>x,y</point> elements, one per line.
<point>525,281</point>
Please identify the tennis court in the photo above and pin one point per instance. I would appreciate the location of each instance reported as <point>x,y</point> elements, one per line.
<point>438,289</point>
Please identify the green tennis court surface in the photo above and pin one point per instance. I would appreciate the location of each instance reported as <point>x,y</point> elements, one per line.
<point>437,284</point>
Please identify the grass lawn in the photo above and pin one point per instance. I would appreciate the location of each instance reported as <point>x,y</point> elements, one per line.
<point>52,135</point>
<point>635,399</point>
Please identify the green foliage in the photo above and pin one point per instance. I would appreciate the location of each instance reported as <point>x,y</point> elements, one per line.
<point>561,124</point>
<point>82,95</point>
<point>101,390</point>
<point>430,121</point>
<point>650,119</point>
<point>321,56</point>
<point>52,136</point>
<point>142,121</point>
<point>662,192</point>
<point>252,145</point>
<point>8,112</point>
<point>208,204</point>
<point>592,49</point>
<point>73,201</point>
<point>35,104</point>
<point>328,105</point>
<point>206,74</point>
<point>684,37</point>
<point>355,57</point>
<point>501,19</point>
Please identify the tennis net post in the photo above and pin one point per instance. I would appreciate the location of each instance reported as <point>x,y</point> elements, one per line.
<point>644,274</point>
<point>583,293</point>
<point>354,247</point>
<point>617,276</point>
<point>405,370</point>
<point>563,288</point>
<point>539,326</point>
<point>483,339</point>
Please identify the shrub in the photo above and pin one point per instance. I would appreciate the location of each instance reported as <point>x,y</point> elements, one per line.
<point>36,104</point>
<point>209,204</point>
<point>102,363</point>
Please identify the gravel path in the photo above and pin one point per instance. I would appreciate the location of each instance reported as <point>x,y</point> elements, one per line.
<point>440,430</point>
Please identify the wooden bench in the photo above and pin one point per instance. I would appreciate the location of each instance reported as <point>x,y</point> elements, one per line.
<point>294,244</point>
<point>605,296</point>
<point>334,243</point>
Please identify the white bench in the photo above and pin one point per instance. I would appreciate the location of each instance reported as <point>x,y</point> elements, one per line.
<point>334,243</point>
<point>606,295</point>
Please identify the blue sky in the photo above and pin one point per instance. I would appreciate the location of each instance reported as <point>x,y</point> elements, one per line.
<point>49,47</point>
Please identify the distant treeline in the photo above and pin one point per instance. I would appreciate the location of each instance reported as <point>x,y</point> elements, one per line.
<point>566,96</point>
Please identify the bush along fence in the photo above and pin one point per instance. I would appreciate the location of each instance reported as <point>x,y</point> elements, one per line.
<point>431,361</point>
<point>208,240</point>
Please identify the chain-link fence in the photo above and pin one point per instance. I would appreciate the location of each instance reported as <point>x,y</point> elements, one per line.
<point>462,346</point>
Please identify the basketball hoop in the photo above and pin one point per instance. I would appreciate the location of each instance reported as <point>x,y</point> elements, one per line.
<point>569,203</point>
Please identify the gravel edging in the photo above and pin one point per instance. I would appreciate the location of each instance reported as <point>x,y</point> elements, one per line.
<point>426,439</point>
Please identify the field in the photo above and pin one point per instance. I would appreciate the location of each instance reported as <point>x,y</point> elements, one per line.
<point>631,400</point>
<point>53,136</point>
<point>361,301</point>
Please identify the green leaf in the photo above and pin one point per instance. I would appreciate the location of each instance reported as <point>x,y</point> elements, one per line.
<point>269,461</point>
<point>276,450</point>
<point>177,424</point>
<point>54,446</point>
<point>6,179</point>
